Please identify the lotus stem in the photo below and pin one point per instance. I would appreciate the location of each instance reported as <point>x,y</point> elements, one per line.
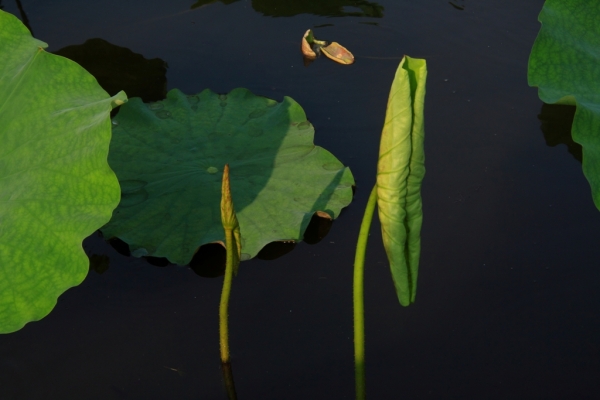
<point>228,378</point>
<point>358,295</point>
<point>224,305</point>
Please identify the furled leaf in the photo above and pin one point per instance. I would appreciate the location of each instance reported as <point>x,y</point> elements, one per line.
<point>564,65</point>
<point>338,53</point>
<point>56,187</point>
<point>400,171</point>
<point>169,157</point>
<point>307,41</point>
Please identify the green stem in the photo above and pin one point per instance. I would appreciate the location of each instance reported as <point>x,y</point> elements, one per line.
<point>359,304</point>
<point>224,305</point>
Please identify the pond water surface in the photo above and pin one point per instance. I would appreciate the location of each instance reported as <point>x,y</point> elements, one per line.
<point>507,303</point>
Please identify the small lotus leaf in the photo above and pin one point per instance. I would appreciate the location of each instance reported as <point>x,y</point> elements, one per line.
<point>564,66</point>
<point>169,157</point>
<point>400,171</point>
<point>56,187</point>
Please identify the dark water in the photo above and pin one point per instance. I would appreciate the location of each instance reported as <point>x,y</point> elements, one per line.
<point>507,304</point>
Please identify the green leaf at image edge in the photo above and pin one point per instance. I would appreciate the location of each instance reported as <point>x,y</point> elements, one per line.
<point>564,65</point>
<point>56,187</point>
<point>400,171</point>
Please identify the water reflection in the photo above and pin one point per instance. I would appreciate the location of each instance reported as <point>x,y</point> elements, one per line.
<point>457,6</point>
<point>201,3</point>
<point>120,246</point>
<point>118,68</point>
<point>209,260</point>
<point>318,228</point>
<point>99,263</point>
<point>228,380</point>
<point>157,261</point>
<point>556,121</point>
<point>275,250</point>
<point>325,8</point>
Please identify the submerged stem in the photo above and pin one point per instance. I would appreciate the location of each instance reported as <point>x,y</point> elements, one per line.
<point>228,378</point>
<point>224,305</point>
<point>358,295</point>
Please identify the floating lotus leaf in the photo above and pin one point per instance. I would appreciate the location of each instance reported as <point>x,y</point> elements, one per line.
<point>56,187</point>
<point>169,157</point>
<point>400,171</point>
<point>564,66</point>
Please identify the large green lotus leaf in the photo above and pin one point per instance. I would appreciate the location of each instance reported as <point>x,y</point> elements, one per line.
<point>565,66</point>
<point>56,187</point>
<point>400,171</point>
<point>169,157</point>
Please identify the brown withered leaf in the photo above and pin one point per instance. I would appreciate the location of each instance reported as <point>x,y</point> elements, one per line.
<point>307,50</point>
<point>338,53</point>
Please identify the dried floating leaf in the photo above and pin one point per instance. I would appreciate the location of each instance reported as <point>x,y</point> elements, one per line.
<point>307,50</point>
<point>338,53</point>
<point>323,214</point>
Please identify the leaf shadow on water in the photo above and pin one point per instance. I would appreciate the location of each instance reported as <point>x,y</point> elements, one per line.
<point>556,122</point>
<point>209,260</point>
<point>118,68</point>
<point>325,8</point>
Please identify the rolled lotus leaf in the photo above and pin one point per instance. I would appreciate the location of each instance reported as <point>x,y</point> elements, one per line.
<point>400,171</point>
<point>306,48</point>
<point>338,53</point>
<point>56,186</point>
<point>564,66</point>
